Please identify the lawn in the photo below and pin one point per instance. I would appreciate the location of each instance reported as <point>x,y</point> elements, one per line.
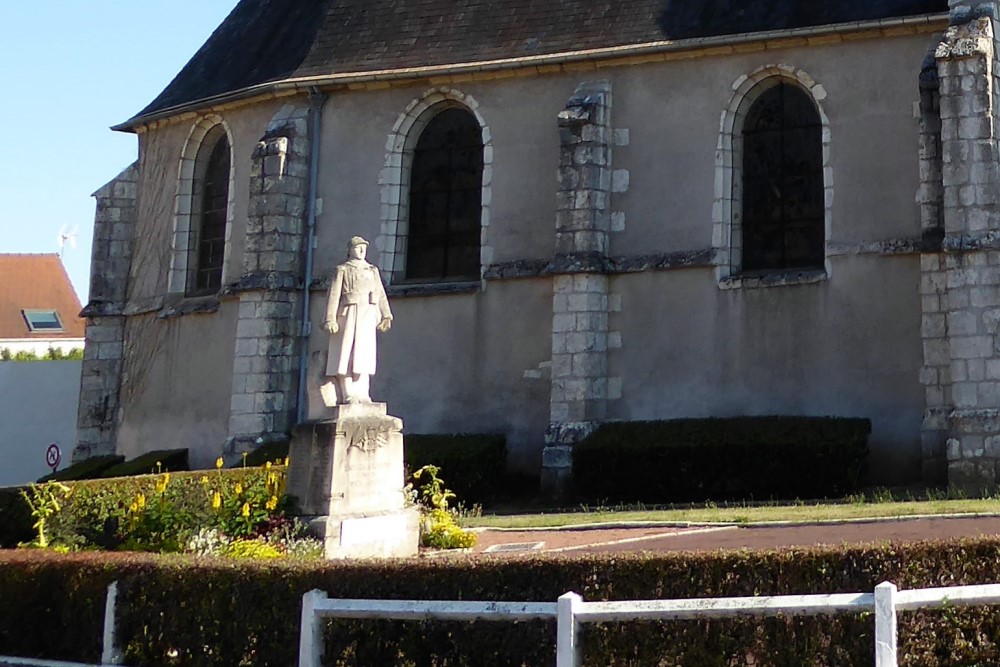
<point>883,506</point>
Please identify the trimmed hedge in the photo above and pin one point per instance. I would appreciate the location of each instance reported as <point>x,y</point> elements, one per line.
<point>472,465</point>
<point>91,468</point>
<point>741,458</point>
<point>151,463</point>
<point>208,612</point>
<point>15,518</point>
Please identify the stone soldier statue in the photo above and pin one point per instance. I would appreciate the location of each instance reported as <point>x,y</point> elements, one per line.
<point>356,308</point>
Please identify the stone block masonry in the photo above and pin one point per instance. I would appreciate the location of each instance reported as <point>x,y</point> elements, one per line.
<point>960,265</point>
<point>265,369</point>
<point>579,395</point>
<point>111,262</point>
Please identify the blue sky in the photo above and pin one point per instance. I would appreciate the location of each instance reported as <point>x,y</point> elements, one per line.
<point>70,69</point>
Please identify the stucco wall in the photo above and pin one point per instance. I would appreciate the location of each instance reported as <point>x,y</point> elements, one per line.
<point>177,385</point>
<point>38,402</point>
<point>848,345</point>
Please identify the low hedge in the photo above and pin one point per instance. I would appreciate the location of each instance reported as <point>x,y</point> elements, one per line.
<point>150,463</point>
<point>207,612</point>
<point>694,460</point>
<point>472,465</point>
<point>91,468</point>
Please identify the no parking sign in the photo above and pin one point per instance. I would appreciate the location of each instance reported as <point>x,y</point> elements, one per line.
<point>53,455</point>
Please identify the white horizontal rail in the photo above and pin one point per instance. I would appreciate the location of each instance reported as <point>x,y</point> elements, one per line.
<point>798,605</point>
<point>955,596</point>
<point>411,610</point>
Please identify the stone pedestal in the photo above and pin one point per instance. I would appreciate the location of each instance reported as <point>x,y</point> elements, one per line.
<point>347,474</point>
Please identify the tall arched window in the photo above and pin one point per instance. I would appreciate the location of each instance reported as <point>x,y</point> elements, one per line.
<point>445,199</point>
<point>783,208</point>
<point>209,214</point>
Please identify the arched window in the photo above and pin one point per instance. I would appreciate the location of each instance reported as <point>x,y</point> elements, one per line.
<point>445,200</point>
<point>783,204</point>
<point>209,214</point>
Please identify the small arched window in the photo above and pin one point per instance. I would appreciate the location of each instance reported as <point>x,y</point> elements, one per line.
<point>783,206</point>
<point>209,214</point>
<point>445,200</point>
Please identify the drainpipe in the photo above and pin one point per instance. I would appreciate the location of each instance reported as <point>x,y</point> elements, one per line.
<point>316,101</point>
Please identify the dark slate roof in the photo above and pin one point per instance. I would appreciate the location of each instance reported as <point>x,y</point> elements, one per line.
<point>264,41</point>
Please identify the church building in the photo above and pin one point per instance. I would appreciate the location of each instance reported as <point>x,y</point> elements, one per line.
<point>582,212</point>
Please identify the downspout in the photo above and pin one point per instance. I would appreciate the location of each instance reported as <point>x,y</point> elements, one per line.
<point>316,101</point>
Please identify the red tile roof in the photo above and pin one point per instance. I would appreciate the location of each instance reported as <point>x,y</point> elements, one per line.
<point>37,282</point>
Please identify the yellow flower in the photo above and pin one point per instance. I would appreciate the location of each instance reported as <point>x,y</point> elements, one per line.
<point>267,466</point>
<point>245,510</point>
<point>219,462</point>
<point>133,508</point>
<point>271,503</point>
<point>216,500</point>
<point>239,489</point>
<point>204,480</point>
<point>140,501</point>
<point>286,460</point>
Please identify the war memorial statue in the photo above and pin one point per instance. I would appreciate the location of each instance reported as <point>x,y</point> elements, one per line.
<point>357,307</point>
<point>346,470</point>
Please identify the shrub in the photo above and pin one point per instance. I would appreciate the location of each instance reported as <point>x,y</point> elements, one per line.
<point>164,512</point>
<point>721,459</point>
<point>251,549</point>
<point>439,528</point>
<point>15,518</point>
<point>91,468</point>
<point>269,452</point>
<point>166,460</point>
<point>169,607</point>
<point>473,464</point>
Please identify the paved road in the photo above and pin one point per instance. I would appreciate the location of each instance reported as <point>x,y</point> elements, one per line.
<point>744,537</point>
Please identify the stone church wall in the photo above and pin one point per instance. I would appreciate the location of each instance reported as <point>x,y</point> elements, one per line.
<point>673,343</point>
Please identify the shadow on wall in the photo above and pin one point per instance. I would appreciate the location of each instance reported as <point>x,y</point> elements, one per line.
<point>38,404</point>
<point>683,19</point>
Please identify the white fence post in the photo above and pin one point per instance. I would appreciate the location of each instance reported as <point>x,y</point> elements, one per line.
<point>110,653</point>
<point>885,625</point>
<point>311,634</point>
<point>568,630</point>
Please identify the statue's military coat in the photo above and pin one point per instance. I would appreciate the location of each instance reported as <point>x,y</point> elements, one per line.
<point>357,303</point>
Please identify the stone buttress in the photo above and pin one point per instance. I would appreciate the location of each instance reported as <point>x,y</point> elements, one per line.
<point>265,370</point>
<point>111,262</point>
<point>579,394</point>
<point>960,263</point>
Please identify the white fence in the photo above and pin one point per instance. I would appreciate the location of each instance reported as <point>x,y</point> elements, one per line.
<point>571,613</point>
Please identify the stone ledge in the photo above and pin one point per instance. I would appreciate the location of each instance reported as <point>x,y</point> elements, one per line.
<point>431,289</point>
<point>263,280</point>
<point>782,279</point>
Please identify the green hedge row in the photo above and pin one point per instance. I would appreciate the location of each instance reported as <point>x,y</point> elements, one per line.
<point>472,465</point>
<point>207,612</point>
<point>741,458</point>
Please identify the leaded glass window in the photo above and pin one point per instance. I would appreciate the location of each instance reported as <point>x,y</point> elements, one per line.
<point>210,212</point>
<point>783,208</point>
<point>445,211</point>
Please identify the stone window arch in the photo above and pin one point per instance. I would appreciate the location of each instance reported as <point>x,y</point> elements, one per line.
<point>203,210</point>
<point>774,185</point>
<point>445,139</point>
